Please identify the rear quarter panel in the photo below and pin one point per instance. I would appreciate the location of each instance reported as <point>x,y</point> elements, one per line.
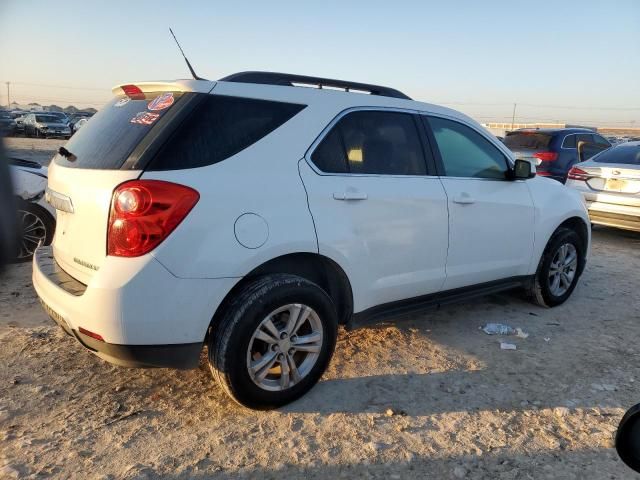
<point>262,180</point>
<point>553,203</point>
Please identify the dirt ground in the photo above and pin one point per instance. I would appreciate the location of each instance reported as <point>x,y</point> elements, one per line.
<point>428,396</point>
<point>39,150</point>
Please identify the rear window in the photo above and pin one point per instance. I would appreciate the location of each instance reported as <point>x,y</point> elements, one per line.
<point>527,140</point>
<point>116,130</point>
<point>172,130</point>
<point>625,154</point>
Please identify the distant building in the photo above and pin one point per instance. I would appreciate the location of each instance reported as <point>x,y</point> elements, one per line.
<point>501,129</point>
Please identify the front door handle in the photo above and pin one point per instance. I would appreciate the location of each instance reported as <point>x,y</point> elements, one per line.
<point>349,196</point>
<point>464,199</point>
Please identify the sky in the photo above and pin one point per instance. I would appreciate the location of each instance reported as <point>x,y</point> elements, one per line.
<point>570,61</point>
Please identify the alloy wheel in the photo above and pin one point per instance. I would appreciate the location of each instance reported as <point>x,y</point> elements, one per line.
<point>562,270</point>
<point>285,347</point>
<point>33,231</point>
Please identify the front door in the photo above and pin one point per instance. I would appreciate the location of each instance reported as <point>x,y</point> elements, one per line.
<point>491,218</point>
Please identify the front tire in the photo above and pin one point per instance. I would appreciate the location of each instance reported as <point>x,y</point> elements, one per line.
<point>274,341</point>
<point>560,267</point>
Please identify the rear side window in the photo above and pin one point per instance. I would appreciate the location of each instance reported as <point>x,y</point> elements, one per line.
<point>369,142</point>
<point>584,137</point>
<point>601,140</point>
<point>527,140</point>
<point>465,153</point>
<point>218,128</point>
<point>108,139</point>
<point>569,141</point>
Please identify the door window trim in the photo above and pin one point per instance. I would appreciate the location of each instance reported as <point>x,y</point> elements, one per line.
<point>438,157</point>
<point>430,164</point>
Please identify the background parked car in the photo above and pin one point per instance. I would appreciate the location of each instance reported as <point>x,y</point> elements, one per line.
<point>610,185</point>
<point>555,151</point>
<point>78,125</point>
<point>18,123</point>
<point>61,116</point>
<point>8,224</point>
<point>6,123</point>
<point>37,221</point>
<point>45,125</point>
<point>76,117</point>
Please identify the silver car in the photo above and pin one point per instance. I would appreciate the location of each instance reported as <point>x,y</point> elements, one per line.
<point>610,185</point>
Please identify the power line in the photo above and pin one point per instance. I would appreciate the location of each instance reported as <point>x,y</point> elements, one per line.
<point>68,87</point>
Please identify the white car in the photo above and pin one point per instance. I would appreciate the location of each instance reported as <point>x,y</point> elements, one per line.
<point>610,185</point>
<point>36,218</point>
<point>254,215</point>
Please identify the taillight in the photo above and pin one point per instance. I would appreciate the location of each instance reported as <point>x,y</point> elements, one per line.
<point>546,156</point>
<point>143,213</point>
<point>133,91</point>
<point>578,174</point>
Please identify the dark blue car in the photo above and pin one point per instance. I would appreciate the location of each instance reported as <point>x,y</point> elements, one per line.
<point>555,151</point>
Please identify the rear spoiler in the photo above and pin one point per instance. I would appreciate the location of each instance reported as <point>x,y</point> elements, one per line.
<point>202,86</point>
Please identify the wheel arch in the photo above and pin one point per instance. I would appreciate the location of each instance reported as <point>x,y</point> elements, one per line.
<point>312,266</point>
<point>578,225</point>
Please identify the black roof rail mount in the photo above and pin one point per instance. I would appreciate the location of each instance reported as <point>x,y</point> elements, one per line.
<point>291,80</point>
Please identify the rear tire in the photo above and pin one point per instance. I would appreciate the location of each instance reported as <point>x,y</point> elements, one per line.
<point>558,271</point>
<point>36,225</point>
<point>265,365</point>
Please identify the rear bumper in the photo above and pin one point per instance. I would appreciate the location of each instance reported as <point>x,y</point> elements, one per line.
<point>180,356</point>
<point>146,316</point>
<point>612,215</point>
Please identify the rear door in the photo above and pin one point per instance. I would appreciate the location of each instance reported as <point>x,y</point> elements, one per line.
<point>96,160</point>
<point>376,209</point>
<point>491,219</point>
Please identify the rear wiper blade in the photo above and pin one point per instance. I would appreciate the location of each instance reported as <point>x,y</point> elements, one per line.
<point>67,154</point>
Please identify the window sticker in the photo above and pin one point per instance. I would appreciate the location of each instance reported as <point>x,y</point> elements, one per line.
<point>145,118</point>
<point>122,102</point>
<point>161,101</point>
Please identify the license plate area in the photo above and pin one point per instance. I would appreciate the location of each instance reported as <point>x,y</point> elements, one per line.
<point>622,185</point>
<point>615,185</point>
<point>59,319</point>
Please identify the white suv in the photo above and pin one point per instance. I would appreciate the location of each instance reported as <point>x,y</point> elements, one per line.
<point>254,215</point>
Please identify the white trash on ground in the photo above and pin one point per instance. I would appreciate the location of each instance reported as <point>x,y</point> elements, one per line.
<point>498,329</point>
<point>507,346</point>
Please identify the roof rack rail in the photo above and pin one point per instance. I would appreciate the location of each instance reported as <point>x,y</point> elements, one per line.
<point>292,80</point>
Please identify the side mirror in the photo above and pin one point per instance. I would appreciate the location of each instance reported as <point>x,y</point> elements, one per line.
<point>523,170</point>
<point>628,438</point>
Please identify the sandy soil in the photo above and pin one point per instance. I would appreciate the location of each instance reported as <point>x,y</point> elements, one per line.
<point>422,396</point>
<point>461,407</point>
<point>37,149</point>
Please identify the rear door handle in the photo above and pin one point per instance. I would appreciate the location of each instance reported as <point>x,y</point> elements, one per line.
<point>464,199</point>
<point>349,196</point>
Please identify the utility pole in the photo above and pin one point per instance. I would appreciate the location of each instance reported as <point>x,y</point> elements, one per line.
<point>8,97</point>
<point>513,117</point>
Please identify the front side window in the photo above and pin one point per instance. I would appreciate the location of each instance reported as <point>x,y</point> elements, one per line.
<point>466,153</point>
<point>370,142</point>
